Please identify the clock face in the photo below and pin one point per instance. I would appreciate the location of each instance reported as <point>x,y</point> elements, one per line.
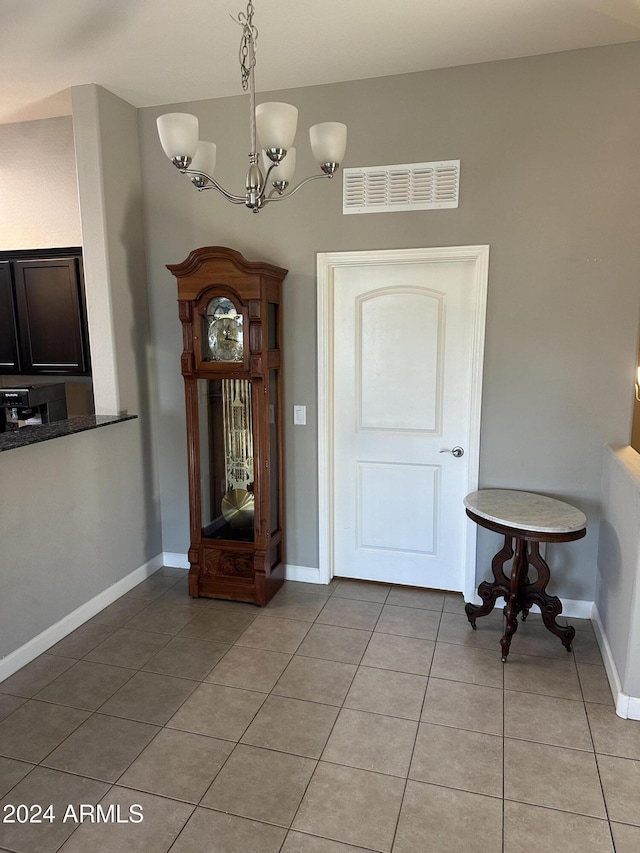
<point>224,330</point>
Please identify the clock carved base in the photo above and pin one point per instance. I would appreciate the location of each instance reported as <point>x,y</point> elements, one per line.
<point>234,575</point>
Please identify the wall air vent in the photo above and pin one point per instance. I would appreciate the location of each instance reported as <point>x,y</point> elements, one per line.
<point>412,186</point>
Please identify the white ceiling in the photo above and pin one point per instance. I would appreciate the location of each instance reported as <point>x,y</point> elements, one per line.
<point>164,51</point>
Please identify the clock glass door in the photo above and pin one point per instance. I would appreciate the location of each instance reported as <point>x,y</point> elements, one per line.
<point>226,459</point>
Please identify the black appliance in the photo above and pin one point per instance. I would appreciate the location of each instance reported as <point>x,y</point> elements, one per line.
<point>28,405</point>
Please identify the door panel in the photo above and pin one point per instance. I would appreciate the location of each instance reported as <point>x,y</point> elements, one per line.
<point>50,312</point>
<point>405,346</point>
<point>398,331</point>
<point>8,336</point>
<point>392,528</point>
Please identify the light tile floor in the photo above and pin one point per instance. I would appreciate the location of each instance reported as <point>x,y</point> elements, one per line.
<point>343,719</point>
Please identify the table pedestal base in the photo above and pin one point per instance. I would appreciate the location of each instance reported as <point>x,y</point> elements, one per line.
<point>519,593</point>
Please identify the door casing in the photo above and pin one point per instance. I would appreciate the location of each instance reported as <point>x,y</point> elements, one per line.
<point>327,263</point>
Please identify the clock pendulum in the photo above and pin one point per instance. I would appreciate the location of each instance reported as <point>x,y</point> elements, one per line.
<point>237,503</point>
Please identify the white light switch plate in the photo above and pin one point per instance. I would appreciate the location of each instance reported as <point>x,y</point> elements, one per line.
<point>300,415</point>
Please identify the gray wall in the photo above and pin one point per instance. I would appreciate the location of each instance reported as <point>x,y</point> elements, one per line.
<point>38,185</point>
<point>74,526</point>
<point>110,185</point>
<point>82,512</point>
<point>550,179</point>
<point>40,209</point>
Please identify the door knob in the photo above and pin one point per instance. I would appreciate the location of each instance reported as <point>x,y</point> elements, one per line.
<point>456,451</point>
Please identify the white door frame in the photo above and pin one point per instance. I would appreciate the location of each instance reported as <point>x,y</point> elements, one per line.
<point>327,263</point>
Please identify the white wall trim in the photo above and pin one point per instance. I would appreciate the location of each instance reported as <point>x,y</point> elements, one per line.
<point>633,708</point>
<point>175,561</point>
<point>571,608</point>
<point>93,223</point>
<point>50,636</point>
<point>305,574</point>
<point>327,262</point>
<point>627,707</point>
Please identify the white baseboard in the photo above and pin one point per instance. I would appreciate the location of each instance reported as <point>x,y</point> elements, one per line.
<point>571,608</point>
<point>306,574</point>
<point>627,707</point>
<point>175,561</point>
<point>632,708</point>
<point>50,636</point>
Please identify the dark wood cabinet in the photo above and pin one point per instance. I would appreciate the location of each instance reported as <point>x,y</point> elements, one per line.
<point>232,369</point>
<point>9,361</point>
<point>45,292</point>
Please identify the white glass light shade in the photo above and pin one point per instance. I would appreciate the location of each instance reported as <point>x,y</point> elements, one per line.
<point>178,134</point>
<point>276,124</point>
<point>285,169</point>
<point>205,158</point>
<point>328,141</point>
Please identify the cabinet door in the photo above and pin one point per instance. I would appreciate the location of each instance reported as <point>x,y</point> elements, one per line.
<point>50,316</point>
<point>9,362</point>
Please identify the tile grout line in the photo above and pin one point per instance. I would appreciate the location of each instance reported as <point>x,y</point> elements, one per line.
<point>201,681</point>
<point>415,740</point>
<point>595,757</point>
<point>271,693</point>
<point>319,759</point>
<point>93,713</point>
<point>163,727</point>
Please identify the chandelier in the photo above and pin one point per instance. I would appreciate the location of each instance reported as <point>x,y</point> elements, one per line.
<point>273,124</point>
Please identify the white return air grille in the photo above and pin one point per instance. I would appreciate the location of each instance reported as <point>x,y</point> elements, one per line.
<point>412,186</point>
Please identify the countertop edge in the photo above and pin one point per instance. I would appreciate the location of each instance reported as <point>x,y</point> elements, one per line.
<point>26,436</point>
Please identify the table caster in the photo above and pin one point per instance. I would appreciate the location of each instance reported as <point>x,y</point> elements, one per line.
<point>474,626</point>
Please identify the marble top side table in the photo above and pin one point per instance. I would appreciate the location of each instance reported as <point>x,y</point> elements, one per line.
<point>528,519</point>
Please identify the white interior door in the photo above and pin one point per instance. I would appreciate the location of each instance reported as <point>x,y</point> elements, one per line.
<point>401,345</point>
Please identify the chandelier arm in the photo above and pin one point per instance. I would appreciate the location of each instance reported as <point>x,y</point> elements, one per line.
<point>235,199</point>
<point>283,196</point>
<point>181,145</point>
<point>266,177</point>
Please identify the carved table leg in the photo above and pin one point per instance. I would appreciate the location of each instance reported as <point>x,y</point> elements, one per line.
<point>550,605</point>
<point>487,591</point>
<point>514,598</point>
<point>525,604</point>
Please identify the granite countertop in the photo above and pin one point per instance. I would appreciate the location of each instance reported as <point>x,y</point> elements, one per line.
<point>525,511</point>
<point>24,436</point>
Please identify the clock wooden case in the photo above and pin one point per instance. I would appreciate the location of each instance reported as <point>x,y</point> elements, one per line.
<point>232,368</point>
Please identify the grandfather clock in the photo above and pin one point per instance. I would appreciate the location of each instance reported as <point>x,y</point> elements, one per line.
<point>232,368</point>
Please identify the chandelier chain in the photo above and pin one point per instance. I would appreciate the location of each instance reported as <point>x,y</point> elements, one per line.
<point>247,57</point>
<point>247,44</point>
